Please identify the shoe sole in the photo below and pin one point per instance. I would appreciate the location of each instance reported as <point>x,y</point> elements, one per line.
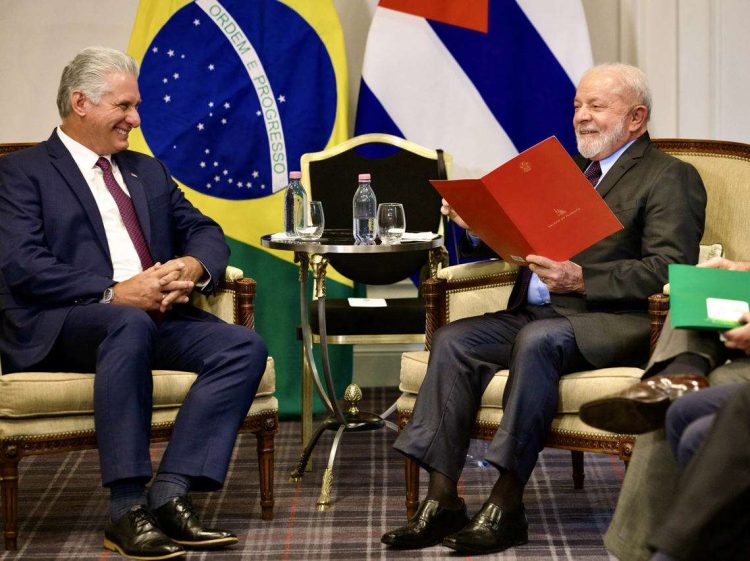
<point>396,545</point>
<point>207,544</point>
<point>478,551</point>
<point>112,546</point>
<point>624,416</point>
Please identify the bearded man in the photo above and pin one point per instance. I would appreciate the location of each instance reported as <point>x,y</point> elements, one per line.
<point>589,312</point>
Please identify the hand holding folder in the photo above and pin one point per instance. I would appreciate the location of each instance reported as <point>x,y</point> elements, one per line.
<point>707,298</point>
<point>538,202</point>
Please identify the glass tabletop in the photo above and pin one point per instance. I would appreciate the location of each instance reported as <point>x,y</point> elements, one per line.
<point>342,241</point>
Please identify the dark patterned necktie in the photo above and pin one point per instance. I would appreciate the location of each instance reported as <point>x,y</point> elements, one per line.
<point>593,173</point>
<point>127,212</point>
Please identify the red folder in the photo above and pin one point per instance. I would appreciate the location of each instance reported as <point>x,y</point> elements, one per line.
<point>536,203</point>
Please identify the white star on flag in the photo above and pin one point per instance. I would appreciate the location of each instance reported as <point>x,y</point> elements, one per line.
<point>167,98</point>
<point>170,53</point>
<point>201,126</point>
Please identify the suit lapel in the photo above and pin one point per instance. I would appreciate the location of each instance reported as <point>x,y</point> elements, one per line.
<point>627,160</point>
<point>66,166</point>
<point>137,195</point>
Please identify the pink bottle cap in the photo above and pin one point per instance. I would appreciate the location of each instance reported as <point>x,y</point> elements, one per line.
<point>364,177</point>
<point>295,175</point>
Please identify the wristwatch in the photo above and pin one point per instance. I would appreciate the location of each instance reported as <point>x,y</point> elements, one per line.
<point>108,295</point>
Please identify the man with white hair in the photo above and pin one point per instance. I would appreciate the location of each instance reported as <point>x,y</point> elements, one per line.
<point>99,252</point>
<point>589,312</point>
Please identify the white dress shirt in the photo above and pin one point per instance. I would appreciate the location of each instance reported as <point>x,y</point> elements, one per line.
<point>125,260</point>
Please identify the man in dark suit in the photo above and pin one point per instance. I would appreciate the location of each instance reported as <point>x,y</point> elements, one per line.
<point>99,251</point>
<point>589,312</point>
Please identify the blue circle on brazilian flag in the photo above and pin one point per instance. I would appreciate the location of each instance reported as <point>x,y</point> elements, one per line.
<point>234,92</point>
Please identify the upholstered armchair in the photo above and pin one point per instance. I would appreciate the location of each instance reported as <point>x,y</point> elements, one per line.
<point>475,288</point>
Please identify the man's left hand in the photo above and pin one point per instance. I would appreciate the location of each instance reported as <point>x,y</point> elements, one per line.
<point>186,268</point>
<point>559,276</point>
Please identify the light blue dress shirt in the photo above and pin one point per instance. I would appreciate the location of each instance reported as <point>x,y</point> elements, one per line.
<point>538,294</point>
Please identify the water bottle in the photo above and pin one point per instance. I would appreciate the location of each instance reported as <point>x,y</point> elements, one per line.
<point>295,201</point>
<point>364,211</point>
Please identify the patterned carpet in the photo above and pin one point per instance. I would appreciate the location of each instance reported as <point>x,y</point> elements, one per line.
<point>62,508</point>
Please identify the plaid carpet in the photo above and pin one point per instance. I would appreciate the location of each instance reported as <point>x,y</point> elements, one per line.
<point>62,508</point>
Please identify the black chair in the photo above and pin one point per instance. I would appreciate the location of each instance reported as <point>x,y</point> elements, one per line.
<point>400,175</point>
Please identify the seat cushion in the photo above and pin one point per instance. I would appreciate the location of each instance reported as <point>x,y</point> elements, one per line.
<point>62,394</point>
<point>400,315</point>
<point>575,388</point>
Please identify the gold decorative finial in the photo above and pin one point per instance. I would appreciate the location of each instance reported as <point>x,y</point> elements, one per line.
<point>352,396</point>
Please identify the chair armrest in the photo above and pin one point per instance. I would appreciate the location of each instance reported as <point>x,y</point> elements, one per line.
<point>476,271</point>
<point>658,307</point>
<point>466,290</point>
<point>233,301</point>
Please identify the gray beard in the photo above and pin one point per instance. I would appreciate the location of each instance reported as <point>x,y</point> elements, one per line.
<point>605,143</point>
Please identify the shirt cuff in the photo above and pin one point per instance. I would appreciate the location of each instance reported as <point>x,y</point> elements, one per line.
<point>473,239</point>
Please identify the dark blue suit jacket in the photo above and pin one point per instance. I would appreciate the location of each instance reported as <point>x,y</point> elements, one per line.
<point>53,248</point>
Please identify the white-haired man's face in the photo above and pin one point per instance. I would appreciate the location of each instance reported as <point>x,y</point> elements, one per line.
<point>603,119</point>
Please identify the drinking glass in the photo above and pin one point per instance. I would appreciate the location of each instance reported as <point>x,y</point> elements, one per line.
<point>311,222</point>
<point>391,222</point>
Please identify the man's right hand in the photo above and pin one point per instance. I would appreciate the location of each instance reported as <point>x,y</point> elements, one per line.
<point>145,290</point>
<point>447,210</point>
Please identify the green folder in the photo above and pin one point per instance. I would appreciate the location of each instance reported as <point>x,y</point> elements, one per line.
<point>703,298</point>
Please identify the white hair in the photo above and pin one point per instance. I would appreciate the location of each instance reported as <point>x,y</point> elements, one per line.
<point>633,80</point>
<point>88,72</point>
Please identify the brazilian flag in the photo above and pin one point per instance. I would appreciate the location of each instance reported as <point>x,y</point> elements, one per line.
<point>234,92</point>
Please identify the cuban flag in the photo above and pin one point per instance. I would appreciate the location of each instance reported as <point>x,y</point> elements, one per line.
<point>481,79</point>
<point>234,92</point>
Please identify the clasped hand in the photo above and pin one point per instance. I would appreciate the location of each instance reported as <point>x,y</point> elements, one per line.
<point>161,286</point>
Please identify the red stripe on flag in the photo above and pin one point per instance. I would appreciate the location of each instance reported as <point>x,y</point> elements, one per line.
<point>471,14</point>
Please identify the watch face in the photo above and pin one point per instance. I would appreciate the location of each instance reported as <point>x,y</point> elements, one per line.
<point>108,295</point>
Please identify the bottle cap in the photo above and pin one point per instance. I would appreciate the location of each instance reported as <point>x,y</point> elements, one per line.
<point>364,177</point>
<point>295,175</point>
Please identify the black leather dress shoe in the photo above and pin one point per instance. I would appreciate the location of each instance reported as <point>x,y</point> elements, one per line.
<point>429,525</point>
<point>178,520</point>
<point>136,535</point>
<point>491,530</point>
<point>641,407</point>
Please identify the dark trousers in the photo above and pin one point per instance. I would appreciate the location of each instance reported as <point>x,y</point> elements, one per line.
<point>536,344</point>
<point>709,516</point>
<point>689,420</point>
<point>122,345</point>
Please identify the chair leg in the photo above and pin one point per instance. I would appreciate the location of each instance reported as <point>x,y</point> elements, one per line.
<point>578,475</point>
<point>265,438</point>
<point>411,472</point>
<point>9,490</point>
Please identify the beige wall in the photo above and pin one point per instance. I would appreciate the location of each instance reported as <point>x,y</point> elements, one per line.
<point>694,52</point>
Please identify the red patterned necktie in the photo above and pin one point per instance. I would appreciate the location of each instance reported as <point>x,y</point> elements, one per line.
<point>127,212</point>
<point>593,173</point>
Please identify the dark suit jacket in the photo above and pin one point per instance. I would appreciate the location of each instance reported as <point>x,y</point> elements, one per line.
<point>660,201</point>
<point>53,248</point>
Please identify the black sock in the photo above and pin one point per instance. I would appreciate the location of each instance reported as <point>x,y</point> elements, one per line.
<point>166,486</point>
<point>684,363</point>
<point>443,490</point>
<point>124,495</point>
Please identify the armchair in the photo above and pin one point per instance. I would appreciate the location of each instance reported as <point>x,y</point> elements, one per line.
<point>476,288</point>
<point>52,412</point>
